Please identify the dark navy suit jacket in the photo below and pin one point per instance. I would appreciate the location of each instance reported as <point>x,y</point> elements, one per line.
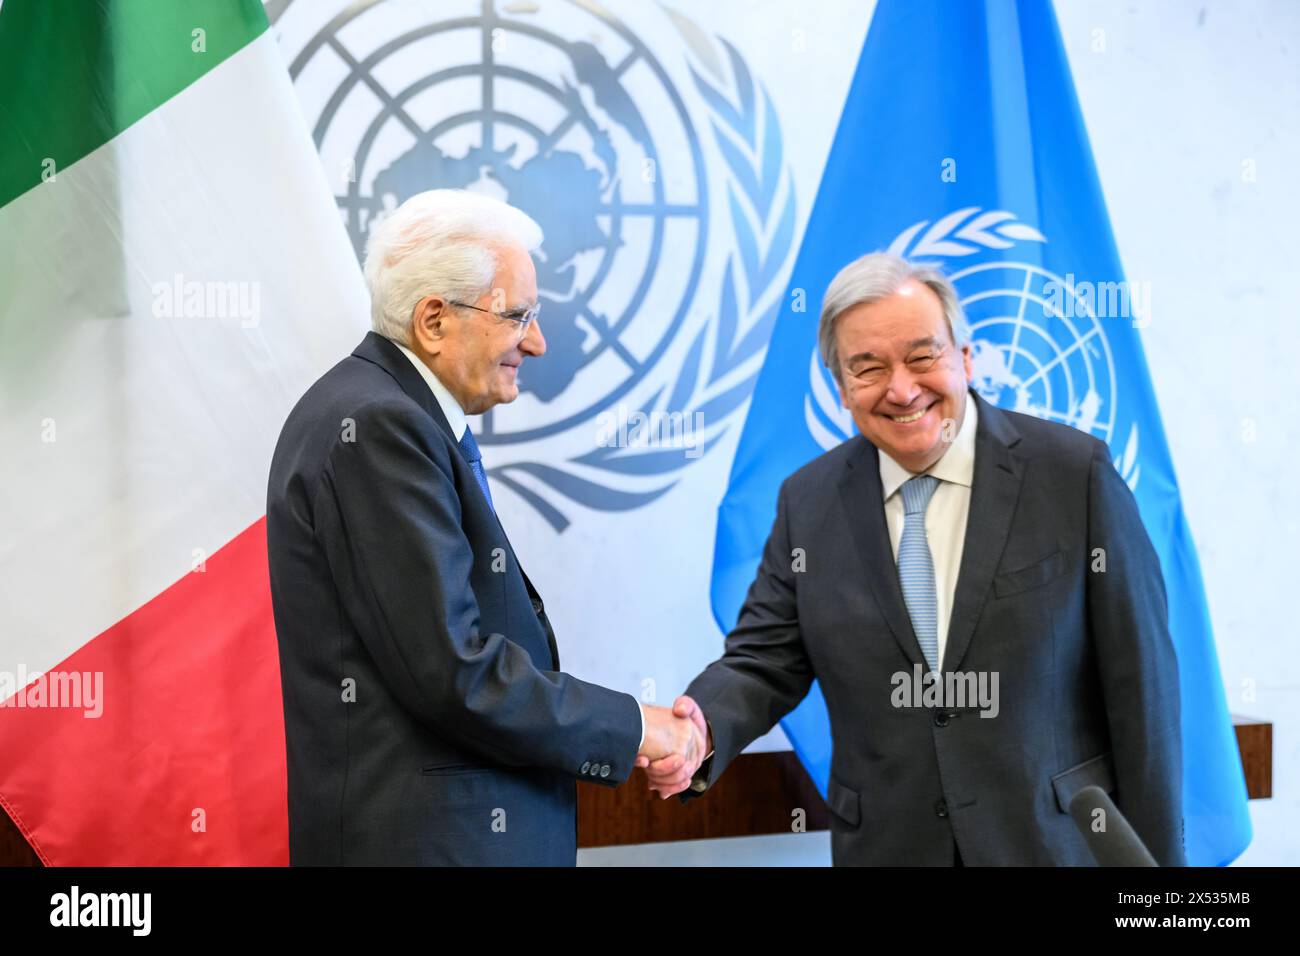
<point>426,717</point>
<point>1088,680</point>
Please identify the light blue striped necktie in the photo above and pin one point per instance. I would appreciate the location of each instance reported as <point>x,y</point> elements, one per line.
<point>916,567</point>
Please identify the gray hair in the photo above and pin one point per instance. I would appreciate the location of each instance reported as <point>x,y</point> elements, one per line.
<point>877,276</point>
<point>443,242</point>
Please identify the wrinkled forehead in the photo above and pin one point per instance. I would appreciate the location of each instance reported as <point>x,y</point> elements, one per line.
<point>906,320</point>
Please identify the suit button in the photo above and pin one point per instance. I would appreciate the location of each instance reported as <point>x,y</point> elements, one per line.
<point>604,770</point>
<point>537,606</point>
<point>941,719</point>
<point>941,809</point>
<point>586,766</point>
<point>595,770</point>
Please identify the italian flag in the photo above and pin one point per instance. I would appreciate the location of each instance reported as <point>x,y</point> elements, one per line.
<point>173,275</point>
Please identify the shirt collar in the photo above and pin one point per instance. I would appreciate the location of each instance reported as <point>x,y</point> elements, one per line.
<point>446,401</point>
<point>957,464</point>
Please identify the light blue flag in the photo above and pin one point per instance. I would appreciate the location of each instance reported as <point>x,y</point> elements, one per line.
<point>962,144</point>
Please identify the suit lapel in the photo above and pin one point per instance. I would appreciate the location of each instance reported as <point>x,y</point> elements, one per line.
<point>995,488</point>
<point>377,349</point>
<point>864,507</point>
<point>994,491</point>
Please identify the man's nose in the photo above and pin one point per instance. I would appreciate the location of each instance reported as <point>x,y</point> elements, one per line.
<point>902,387</point>
<point>533,343</point>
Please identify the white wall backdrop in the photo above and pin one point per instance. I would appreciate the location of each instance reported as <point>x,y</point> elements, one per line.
<point>1194,114</point>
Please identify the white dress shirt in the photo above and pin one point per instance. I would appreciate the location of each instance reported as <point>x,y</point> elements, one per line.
<point>446,401</point>
<point>456,419</point>
<point>945,518</point>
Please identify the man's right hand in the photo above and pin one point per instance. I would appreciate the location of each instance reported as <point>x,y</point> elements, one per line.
<point>671,742</point>
<point>672,774</point>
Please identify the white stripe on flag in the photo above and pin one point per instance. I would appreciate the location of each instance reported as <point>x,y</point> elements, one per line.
<point>163,427</point>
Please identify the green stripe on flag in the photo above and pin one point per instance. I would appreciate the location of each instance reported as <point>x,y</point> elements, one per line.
<point>75,73</point>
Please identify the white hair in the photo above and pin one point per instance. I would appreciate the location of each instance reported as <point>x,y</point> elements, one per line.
<point>877,276</point>
<point>444,242</point>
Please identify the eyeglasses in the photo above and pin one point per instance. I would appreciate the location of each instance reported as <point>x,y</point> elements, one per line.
<point>521,317</point>
<point>871,372</point>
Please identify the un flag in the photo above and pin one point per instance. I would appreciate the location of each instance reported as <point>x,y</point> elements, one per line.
<point>962,143</point>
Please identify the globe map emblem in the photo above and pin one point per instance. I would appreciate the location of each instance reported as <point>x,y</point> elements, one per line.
<point>1031,355</point>
<point>551,124</point>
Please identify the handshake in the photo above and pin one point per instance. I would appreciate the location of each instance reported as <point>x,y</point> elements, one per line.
<point>677,741</point>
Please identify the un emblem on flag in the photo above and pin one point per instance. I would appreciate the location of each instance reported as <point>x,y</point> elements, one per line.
<point>655,318</point>
<point>1038,346</point>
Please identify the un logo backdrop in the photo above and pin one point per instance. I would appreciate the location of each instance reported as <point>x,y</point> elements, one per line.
<point>668,152</point>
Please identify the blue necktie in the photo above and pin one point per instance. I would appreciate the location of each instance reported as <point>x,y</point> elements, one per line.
<point>469,448</point>
<point>916,567</point>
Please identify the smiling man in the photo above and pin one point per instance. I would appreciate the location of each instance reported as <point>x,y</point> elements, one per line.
<point>951,537</point>
<point>427,720</point>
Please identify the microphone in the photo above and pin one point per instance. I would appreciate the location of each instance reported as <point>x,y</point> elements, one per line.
<point>1118,844</point>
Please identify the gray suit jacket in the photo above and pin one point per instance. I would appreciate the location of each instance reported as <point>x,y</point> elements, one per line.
<point>1088,680</point>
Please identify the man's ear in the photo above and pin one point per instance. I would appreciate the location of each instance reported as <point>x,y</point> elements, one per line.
<point>966,363</point>
<point>429,322</point>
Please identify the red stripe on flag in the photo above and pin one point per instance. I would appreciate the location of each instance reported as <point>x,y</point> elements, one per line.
<point>186,764</point>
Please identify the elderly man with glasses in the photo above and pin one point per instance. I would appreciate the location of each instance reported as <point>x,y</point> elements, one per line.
<point>427,720</point>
